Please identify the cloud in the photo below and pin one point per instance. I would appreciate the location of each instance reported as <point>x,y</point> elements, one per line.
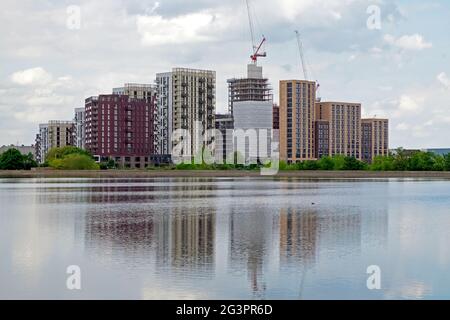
<point>190,28</point>
<point>413,42</point>
<point>34,76</point>
<point>409,103</point>
<point>444,80</point>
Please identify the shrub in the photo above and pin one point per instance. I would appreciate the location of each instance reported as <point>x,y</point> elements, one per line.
<point>74,162</point>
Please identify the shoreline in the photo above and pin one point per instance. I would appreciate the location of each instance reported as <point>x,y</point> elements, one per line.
<point>223,174</point>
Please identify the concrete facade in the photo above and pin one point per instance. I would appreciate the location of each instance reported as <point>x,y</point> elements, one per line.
<point>80,132</point>
<point>186,101</point>
<point>54,134</point>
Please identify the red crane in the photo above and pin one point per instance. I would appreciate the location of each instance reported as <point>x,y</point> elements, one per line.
<point>256,49</point>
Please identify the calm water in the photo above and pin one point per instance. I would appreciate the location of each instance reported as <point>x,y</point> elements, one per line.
<point>224,238</point>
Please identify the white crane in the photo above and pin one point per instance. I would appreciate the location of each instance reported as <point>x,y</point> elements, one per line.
<point>302,56</point>
<point>303,60</point>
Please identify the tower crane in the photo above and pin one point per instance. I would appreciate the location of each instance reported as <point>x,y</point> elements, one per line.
<point>303,60</point>
<point>256,49</point>
<point>302,56</point>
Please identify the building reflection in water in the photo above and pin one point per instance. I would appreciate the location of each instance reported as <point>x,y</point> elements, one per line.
<point>250,244</point>
<point>307,236</point>
<point>178,238</point>
<point>298,236</point>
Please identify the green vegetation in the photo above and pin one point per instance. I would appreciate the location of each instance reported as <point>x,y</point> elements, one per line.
<point>71,158</point>
<point>417,161</point>
<point>14,160</point>
<point>401,161</point>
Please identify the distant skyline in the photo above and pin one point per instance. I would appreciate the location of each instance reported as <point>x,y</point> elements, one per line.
<point>401,71</point>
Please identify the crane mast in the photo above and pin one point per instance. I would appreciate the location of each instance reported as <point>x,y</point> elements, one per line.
<point>256,49</point>
<point>302,56</point>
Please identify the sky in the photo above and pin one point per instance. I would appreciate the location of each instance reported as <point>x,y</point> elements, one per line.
<point>399,68</point>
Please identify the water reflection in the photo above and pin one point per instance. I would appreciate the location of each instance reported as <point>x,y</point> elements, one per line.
<point>217,238</point>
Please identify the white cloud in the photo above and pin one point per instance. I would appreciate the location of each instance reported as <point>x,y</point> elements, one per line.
<point>34,76</point>
<point>190,28</point>
<point>409,103</point>
<point>402,127</point>
<point>408,42</point>
<point>444,80</point>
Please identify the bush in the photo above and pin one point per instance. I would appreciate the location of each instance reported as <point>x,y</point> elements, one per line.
<point>352,164</point>
<point>60,153</point>
<point>74,162</point>
<point>326,163</point>
<point>12,159</point>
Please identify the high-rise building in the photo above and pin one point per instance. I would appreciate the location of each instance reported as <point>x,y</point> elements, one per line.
<point>276,117</point>
<point>297,116</point>
<point>54,134</point>
<point>121,128</point>
<point>224,143</point>
<point>137,91</point>
<point>187,101</point>
<point>344,127</point>
<point>80,134</point>
<point>374,138</point>
<point>251,105</point>
<point>322,138</point>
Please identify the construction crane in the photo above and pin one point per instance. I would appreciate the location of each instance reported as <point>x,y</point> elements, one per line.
<point>256,49</point>
<point>303,60</point>
<point>302,56</point>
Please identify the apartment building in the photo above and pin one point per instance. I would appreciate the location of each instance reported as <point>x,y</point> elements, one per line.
<point>374,138</point>
<point>54,134</point>
<point>344,120</point>
<point>322,138</point>
<point>186,101</point>
<point>224,123</point>
<point>276,117</point>
<point>137,91</point>
<point>121,128</point>
<point>80,133</point>
<point>297,116</point>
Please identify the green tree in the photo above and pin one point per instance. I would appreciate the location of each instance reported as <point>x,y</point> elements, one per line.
<point>60,153</point>
<point>29,162</point>
<point>326,163</point>
<point>74,162</point>
<point>447,162</point>
<point>351,163</point>
<point>11,159</point>
<point>383,163</point>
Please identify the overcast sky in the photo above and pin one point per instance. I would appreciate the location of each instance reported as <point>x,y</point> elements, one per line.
<point>400,71</point>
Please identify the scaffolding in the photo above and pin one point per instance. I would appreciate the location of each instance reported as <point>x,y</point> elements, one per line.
<point>248,89</point>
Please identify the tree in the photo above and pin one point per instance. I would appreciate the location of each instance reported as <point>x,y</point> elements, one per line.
<point>326,163</point>
<point>11,159</point>
<point>351,163</point>
<point>29,162</point>
<point>60,153</point>
<point>74,162</point>
<point>447,162</point>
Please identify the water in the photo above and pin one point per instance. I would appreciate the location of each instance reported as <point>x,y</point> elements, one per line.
<point>201,238</point>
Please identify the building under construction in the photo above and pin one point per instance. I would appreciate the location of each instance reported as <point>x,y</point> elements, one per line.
<point>252,88</point>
